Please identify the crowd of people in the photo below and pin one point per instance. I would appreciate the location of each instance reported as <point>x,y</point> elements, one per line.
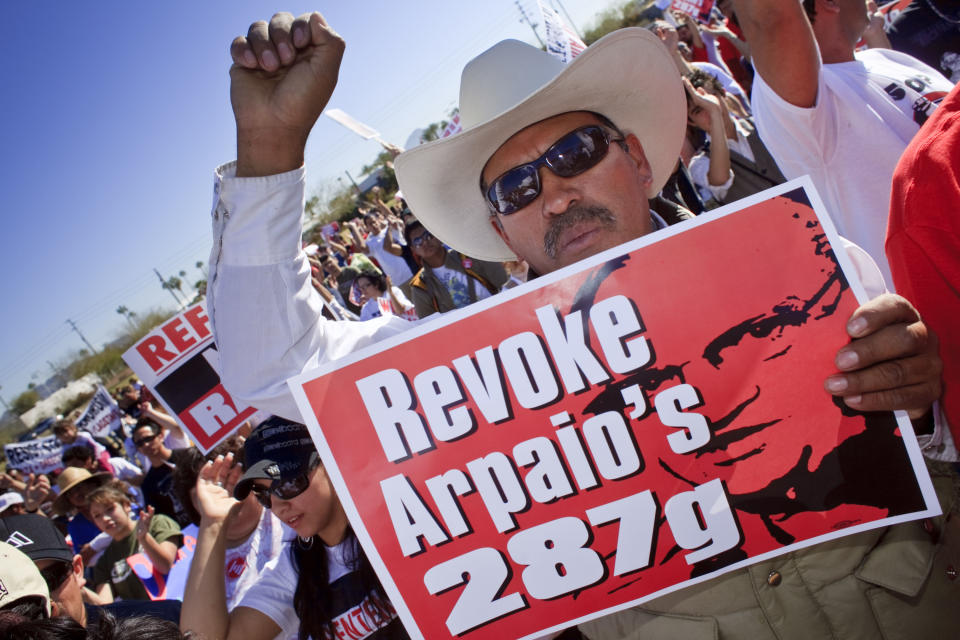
<point>647,128</point>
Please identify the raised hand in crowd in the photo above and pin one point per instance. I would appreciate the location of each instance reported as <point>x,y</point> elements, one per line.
<point>874,35</point>
<point>281,79</point>
<point>706,113</point>
<point>7,481</point>
<point>214,489</point>
<point>36,491</point>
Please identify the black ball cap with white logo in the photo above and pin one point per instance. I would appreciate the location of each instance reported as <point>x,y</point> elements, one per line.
<point>36,536</point>
<point>277,450</point>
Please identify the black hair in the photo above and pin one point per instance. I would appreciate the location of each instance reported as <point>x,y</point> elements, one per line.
<point>700,78</point>
<point>411,226</point>
<point>314,598</point>
<point>147,422</point>
<point>810,7</point>
<point>28,607</point>
<point>58,628</point>
<point>376,278</point>
<point>188,468</point>
<point>135,628</point>
<point>77,452</point>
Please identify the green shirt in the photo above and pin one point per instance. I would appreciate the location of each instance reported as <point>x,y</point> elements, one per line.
<point>113,568</point>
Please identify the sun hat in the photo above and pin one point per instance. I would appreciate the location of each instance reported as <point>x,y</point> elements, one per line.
<point>70,478</point>
<point>20,578</point>
<point>278,449</point>
<point>627,76</point>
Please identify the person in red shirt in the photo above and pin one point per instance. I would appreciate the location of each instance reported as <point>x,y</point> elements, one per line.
<point>923,237</point>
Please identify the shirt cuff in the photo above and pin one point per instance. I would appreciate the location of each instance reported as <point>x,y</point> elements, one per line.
<point>257,221</point>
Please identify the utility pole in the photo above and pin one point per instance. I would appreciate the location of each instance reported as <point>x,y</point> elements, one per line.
<point>354,182</point>
<point>5,403</point>
<point>73,326</point>
<point>526,19</point>
<point>163,283</point>
<point>569,19</point>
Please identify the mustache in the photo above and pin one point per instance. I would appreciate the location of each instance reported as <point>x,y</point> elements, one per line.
<point>576,214</point>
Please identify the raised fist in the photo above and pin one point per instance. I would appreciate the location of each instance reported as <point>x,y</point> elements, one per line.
<point>282,76</point>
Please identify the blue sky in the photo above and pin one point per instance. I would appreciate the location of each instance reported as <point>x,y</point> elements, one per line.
<point>114,116</point>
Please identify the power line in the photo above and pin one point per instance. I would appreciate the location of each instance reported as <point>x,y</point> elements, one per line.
<point>82,337</point>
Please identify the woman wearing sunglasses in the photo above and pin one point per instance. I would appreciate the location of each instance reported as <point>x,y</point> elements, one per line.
<point>320,585</point>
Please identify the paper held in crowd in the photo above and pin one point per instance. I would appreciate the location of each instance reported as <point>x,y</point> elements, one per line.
<point>625,427</point>
<point>180,364</point>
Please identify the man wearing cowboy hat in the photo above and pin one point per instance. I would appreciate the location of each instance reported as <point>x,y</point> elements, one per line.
<point>555,163</point>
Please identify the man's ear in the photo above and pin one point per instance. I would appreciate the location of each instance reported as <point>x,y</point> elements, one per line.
<point>644,172</point>
<point>498,227</point>
<point>78,570</point>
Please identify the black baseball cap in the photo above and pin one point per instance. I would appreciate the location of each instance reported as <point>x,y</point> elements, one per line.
<point>36,536</point>
<point>278,449</point>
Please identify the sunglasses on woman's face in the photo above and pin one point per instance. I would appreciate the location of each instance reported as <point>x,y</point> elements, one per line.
<point>571,155</point>
<point>285,489</point>
<point>56,574</point>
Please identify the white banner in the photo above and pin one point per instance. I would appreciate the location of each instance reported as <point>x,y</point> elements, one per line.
<point>35,456</point>
<point>562,41</point>
<point>102,415</point>
<point>362,130</point>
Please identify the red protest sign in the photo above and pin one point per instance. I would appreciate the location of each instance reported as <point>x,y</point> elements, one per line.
<point>699,9</point>
<point>627,426</point>
<point>180,364</point>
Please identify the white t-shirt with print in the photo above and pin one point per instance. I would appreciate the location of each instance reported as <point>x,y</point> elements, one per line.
<point>458,286</point>
<point>272,594</point>
<point>867,112</point>
<point>245,562</point>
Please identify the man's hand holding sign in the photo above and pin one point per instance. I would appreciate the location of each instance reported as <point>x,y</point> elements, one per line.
<point>646,418</point>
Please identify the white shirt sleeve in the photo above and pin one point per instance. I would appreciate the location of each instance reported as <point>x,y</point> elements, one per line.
<point>264,312</point>
<point>699,168</point>
<point>272,593</point>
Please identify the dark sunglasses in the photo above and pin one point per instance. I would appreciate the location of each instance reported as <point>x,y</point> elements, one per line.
<point>571,155</point>
<point>143,441</point>
<point>419,240</point>
<point>56,574</point>
<point>283,489</point>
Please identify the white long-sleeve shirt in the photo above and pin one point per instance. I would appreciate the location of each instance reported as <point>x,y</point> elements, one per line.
<point>265,313</point>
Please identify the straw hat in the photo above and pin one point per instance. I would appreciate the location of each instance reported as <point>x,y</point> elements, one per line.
<point>627,76</point>
<point>70,478</point>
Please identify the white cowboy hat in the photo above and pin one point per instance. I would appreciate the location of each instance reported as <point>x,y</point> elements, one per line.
<point>627,76</point>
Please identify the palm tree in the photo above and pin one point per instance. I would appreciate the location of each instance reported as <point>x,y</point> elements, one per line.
<point>174,283</point>
<point>199,265</point>
<point>127,313</point>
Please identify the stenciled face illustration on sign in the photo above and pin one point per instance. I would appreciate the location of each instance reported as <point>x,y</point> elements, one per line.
<point>782,461</point>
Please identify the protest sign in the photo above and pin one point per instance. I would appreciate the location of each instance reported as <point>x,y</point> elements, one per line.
<point>345,119</point>
<point>35,456</point>
<point>169,586</point>
<point>102,415</point>
<point>562,41</point>
<point>699,9</point>
<point>179,363</point>
<point>632,424</point>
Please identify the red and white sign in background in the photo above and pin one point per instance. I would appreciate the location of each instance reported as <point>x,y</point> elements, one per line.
<point>622,428</point>
<point>180,364</point>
